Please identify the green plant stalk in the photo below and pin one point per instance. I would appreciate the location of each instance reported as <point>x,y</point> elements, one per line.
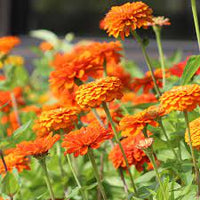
<point>76,178</point>
<point>152,159</point>
<point>42,162</point>
<point>196,21</point>
<point>58,148</point>
<point>157,31</point>
<point>105,107</point>
<point>3,161</point>
<point>96,173</point>
<point>148,62</point>
<point>192,153</point>
<point>104,69</point>
<point>167,138</point>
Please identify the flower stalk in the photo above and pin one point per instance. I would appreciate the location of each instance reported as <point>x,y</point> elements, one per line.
<point>42,162</point>
<point>119,143</point>
<point>96,173</point>
<point>196,21</point>
<point>157,31</point>
<point>148,62</point>
<point>192,154</point>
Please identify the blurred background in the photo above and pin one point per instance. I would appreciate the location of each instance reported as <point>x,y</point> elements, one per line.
<point>82,16</point>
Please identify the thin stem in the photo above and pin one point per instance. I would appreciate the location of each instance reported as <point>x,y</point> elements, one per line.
<point>76,178</point>
<point>104,69</point>
<point>94,111</point>
<point>3,161</point>
<point>14,104</point>
<point>192,153</point>
<point>157,31</point>
<point>152,159</point>
<point>119,143</point>
<point>148,62</point>
<point>96,173</point>
<point>196,22</point>
<point>42,162</point>
<point>58,147</point>
<point>123,180</point>
<point>167,138</point>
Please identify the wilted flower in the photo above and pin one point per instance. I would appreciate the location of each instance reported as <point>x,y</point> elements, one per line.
<point>102,90</point>
<point>181,98</point>
<point>78,142</point>
<point>145,143</point>
<point>159,21</point>
<point>121,20</point>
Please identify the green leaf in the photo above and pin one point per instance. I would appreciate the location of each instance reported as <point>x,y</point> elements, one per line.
<point>73,193</point>
<point>9,184</point>
<point>191,67</point>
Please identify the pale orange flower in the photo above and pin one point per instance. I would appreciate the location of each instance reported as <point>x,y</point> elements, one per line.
<point>181,98</point>
<point>195,133</point>
<point>7,43</point>
<point>78,142</point>
<point>38,147</point>
<point>95,93</point>
<point>121,20</point>
<point>160,21</point>
<point>45,46</point>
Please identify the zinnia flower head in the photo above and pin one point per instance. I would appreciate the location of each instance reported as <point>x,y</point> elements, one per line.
<point>145,143</point>
<point>93,94</point>
<point>134,124</point>
<point>14,160</point>
<point>78,142</point>
<point>134,155</point>
<point>55,119</point>
<point>160,21</point>
<point>181,98</point>
<point>38,147</point>
<point>7,43</point>
<point>195,133</point>
<point>121,20</point>
<point>147,82</point>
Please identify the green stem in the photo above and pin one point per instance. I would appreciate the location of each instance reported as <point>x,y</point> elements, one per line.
<point>157,31</point>
<point>167,138</point>
<point>148,62</point>
<point>196,22</point>
<point>96,173</point>
<point>58,148</point>
<point>3,161</point>
<point>192,153</point>
<point>119,143</point>
<point>104,69</point>
<point>76,178</point>
<point>151,157</point>
<point>42,162</point>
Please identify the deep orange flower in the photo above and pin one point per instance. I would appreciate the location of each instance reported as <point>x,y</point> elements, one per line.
<point>195,133</point>
<point>78,142</point>
<point>7,43</point>
<point>118,71</point>
<point>160,21</point>
<point>134,155</point>
<point>83,62</point>
<point>134,124</point>
<point>14,160</point>
<point>120,20</point>
<point>37,147</point>
<point>141,99</point>
<point>102,90</point>
<point>45,46</point>
<point>147,81</point>
<point>181,98</point>
<point>60,118</point>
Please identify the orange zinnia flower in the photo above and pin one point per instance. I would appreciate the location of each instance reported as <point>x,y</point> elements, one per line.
<point>181,98</point>
<point>14,160</point>
<point>7,43</point>
<point>147,81</point>
<point>120,20</point>
<point>78,142</point>
<point>134,124</point>
<point>60,118</point>
<point>38,147</point>
<point>141,99</point>
<point>195,133</point>
<point>160,21</point>
<point>134,155</point>
<point>102,90</point>
<point>45,46</point>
